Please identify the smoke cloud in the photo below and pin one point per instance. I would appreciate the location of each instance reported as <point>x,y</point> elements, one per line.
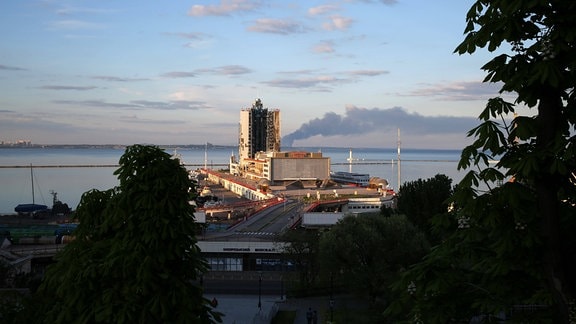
<point>357,121</point>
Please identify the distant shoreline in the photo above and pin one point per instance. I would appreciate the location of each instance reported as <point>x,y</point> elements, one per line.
<point>111,146</point>
<point>209,146</point>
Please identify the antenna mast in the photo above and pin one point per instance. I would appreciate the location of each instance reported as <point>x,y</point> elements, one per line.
<point>32,179</point>
<point>399,173</point>
<point>206,156</point>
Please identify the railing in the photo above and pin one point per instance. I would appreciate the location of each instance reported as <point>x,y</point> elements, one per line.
<point>47,250</point>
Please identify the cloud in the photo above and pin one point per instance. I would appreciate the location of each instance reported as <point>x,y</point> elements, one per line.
<point>322,9</point>
<point>118,79</point>
<point>171,105</point>
<point>94,103</point>
<point>464,90</point>
<point>29,124</point>
<point>224,8</point>
<point>136,120</point>
<point>192,36</point>
<point>67,10</point>
<point>232,70</point>
<point>308,71</point>
<point>386,2</point>
<point>175,75</point>
<point>368,72</point>
<point>140,104</point>
<point>10,68</point>
<point>358,121</point>
<point>277,26</point>
<point>324,47</point>
<point>226,70</point>
<point>337,22</point>
<point>74,25</point>
<point>195,39</point>
<point>57,87</point>
<point>318,81</point>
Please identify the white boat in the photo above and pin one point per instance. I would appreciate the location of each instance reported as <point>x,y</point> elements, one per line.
<point>352,178</point>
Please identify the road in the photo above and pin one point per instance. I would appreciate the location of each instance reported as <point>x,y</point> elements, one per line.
<point>273,219</point>
<point>270,221</point>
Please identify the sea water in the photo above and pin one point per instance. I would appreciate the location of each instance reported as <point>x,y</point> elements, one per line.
<point>70,172</point>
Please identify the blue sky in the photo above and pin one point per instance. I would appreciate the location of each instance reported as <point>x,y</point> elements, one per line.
<point>343,73</point>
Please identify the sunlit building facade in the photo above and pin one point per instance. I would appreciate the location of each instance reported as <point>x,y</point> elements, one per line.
<point>259,155</point>
<point>259,131</point>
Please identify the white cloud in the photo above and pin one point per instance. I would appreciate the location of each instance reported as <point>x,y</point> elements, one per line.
<point>320,82</point>
<point>322,9</point>
<point>277,26</point>
<point>324,47</point>
<point>338,22</point>
<point>462,90</point>
<point>224,8</point>
<point>178,74</point>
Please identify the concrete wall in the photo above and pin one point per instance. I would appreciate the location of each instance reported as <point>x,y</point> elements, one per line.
<point>286,169</point>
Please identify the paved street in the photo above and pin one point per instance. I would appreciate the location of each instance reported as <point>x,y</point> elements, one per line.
<point>241,309</point>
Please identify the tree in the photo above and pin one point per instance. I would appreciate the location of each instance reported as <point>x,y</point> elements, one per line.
<point>513,243</point>
<point>134,257</point>
<point>303,249</point>
<point>420,200</point>
<point>369,251</point>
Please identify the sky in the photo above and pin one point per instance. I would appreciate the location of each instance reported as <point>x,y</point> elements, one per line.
<point>342,73</point>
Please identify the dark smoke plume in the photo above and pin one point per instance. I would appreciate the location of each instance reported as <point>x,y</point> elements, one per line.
<point>358,121</point>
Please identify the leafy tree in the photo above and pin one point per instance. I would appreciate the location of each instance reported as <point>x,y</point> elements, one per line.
<point>420,200</point>
<point>303,250</point>
<point>369,251</point>
<point>135,257</point>
<point>513,243</point>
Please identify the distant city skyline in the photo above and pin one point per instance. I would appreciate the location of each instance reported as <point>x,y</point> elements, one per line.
<point>343,73</point>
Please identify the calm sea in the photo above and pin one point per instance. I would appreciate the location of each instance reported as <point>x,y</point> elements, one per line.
<point>66,171</point>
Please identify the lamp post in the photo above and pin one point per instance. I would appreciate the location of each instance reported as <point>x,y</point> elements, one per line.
<point>282,288</point>
<point>331,297</point>
<point>260,291</point>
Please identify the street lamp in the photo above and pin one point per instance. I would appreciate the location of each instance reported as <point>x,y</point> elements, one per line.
<point>282,288</point>
<point>260,291</point>
<point>331,297</point>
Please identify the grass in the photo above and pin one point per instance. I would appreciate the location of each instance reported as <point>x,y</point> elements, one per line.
<point>284,317</point>
<point>356,316</point>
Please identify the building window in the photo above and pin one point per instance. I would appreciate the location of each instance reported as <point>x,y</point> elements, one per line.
<point>224,264</point>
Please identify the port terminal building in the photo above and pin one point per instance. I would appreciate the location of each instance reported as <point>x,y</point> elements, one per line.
<point>260,157</point>
<point>260,166</point>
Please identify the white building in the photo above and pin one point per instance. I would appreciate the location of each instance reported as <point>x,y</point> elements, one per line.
<point>259,155</point>
<point>259,131</point>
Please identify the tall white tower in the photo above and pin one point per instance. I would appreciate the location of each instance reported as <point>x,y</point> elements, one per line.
<point>259,131</point>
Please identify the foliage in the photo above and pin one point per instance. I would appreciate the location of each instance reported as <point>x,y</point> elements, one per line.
<point>284,317</point>
<point>368,251</point>
<point>5,273</point>
<point>420,200</point>
<point>135,257</point>
<point>11,309</point>
<point>511,244</point>
<point>302,250</point>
